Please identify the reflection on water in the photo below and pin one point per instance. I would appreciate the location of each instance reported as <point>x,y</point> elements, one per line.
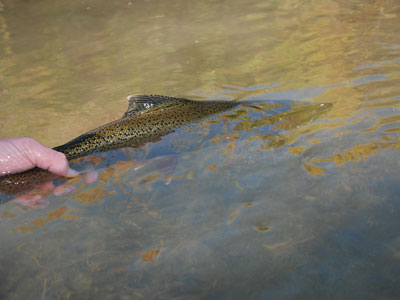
<point>291,195</point>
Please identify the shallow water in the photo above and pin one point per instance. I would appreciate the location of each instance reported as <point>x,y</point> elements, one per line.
<point>297,197</point>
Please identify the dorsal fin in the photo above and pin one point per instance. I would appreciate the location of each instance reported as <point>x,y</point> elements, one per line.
<point>141,103</point>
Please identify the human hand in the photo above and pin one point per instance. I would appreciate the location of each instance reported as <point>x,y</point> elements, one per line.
<point>37,197</point>
<point>21,154</point>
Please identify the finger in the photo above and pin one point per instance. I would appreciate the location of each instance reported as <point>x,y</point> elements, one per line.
<point>46,186</point>
<point>63,189</point>
<point>49,159</point>
<point>91,177</point>
<point>55,162</point>
<point>30,200</point>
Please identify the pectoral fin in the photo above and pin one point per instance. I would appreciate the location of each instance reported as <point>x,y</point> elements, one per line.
<point>141,103</point>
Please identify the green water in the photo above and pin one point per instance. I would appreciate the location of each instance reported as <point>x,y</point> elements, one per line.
<point>296,198</point>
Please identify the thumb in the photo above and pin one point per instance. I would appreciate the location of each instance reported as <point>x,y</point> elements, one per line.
<point>51,160</point>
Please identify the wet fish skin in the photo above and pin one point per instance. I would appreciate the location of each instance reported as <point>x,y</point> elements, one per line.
<point>163,115</point>
<point>147,118</point>
<point>27,180</point>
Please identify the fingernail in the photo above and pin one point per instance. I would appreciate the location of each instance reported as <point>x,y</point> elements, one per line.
<point>72,173</point>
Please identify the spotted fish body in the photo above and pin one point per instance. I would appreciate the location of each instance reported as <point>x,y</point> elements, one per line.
<point>147,118</point>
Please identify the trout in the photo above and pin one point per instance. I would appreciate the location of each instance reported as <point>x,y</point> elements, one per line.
<point>148,117</point>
